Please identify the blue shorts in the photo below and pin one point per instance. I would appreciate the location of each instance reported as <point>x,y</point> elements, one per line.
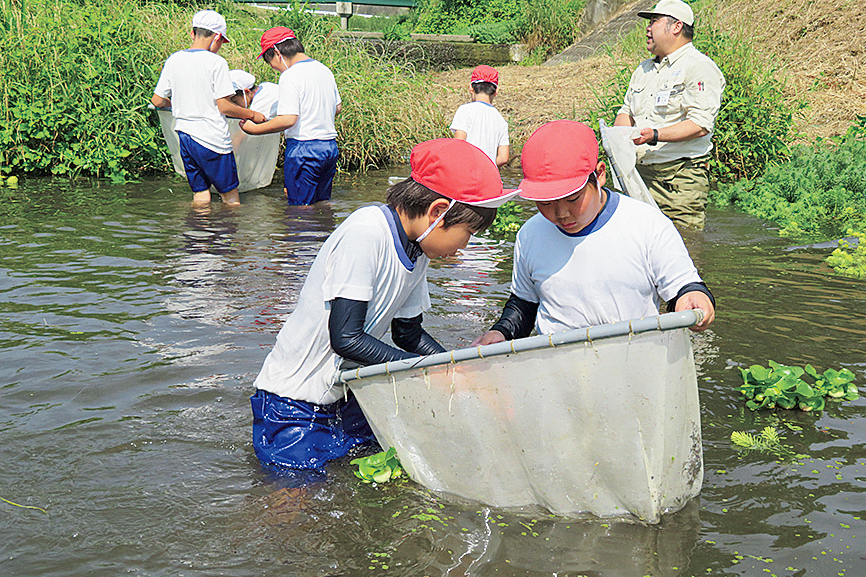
<point>308,170</point>
<point>302,435</point>
<point>204,167</point>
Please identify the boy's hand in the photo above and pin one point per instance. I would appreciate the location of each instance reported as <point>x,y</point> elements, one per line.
<point>258,117</point>
<point>488,338</point>
<point>697,300</point>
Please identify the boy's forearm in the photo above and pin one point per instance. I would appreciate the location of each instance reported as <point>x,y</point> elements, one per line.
<point>160,102</point>
<point>232,110</point>
<point>275,124</point>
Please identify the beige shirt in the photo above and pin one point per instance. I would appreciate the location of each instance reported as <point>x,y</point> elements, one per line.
<point>684,85</point>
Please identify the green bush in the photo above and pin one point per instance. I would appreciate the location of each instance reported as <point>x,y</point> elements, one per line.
<point>493,32</point>
<point>77,78</point>
<point>552,24</point>
<point>456,16</point>
<point>548,25</point>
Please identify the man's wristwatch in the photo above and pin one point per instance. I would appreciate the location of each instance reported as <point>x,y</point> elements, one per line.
<point>655,139</point>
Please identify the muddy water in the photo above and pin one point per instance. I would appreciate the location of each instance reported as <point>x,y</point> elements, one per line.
<point>132,328</point>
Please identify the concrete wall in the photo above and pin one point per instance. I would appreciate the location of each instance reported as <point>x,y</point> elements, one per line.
<point>600,11</point>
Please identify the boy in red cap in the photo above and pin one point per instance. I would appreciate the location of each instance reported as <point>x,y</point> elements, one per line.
<point>371,274</point>
<point>592,256</point>
<point>308,104</point>
<point>196,85</point>
<point>477,122</point>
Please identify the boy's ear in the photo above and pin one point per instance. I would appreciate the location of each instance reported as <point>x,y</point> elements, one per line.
<point>437,207</point>
<point>600,174</point>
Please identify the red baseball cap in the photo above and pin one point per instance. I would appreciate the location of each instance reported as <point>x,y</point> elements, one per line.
<point>274,36</point>
<point>459,171</point>
<point>485,73</point>
<point>557,160</point>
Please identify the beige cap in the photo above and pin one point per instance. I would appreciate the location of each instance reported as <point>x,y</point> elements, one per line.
<point>674,8</point>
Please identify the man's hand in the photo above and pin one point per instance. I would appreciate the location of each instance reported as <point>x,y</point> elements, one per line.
<point>488,338</point>
<point>697,300</point>
<point>646,135</point>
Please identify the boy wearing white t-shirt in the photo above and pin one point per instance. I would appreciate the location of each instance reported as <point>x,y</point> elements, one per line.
<point>592,256</point>
<point>478,122</point>
<point>308,104</point>
<point>196,85</point>
<point>369,276</point>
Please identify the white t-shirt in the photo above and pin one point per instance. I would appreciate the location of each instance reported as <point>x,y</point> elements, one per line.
<point>483,125</point>
<point>265,99</point>
<point>362,260</point>
<point>308,89</point>
<point>618,268</point>
<point>193,80</point>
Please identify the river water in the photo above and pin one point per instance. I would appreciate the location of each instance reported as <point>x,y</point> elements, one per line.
<point>133,327</point>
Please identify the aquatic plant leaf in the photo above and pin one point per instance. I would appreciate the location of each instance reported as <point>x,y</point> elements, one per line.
<point>383,476</point>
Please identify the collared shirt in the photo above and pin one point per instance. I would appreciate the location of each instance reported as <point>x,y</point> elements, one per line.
<point>684,85</point>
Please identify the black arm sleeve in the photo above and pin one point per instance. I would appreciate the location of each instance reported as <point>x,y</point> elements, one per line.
<point>692,286</point>
<point>409,335</point>
<point>518,318</point>
<point>348,339</point>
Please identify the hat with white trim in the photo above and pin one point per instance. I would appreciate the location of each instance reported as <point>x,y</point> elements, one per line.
<point>459,171</point>
<point>557,160</point>
<point>273,36</point>
<point>242,80</point>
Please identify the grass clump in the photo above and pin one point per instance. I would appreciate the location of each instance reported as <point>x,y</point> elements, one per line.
<point>546,26</point>
<point>77,79</point>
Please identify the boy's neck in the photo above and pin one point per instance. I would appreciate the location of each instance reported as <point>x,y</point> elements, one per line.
<point>203,43</point>
<point>413,227</point>
<point>482,97</point>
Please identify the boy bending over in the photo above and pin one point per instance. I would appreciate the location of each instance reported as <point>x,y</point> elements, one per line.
<point>371,274</point>
<point>592,256</point>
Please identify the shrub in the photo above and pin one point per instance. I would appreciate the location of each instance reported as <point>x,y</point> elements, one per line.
<point>819,192</point>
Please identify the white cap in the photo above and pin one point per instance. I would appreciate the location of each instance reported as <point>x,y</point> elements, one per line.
<point>674,8</point>
<point>210,20</point>
<point>242,80</point>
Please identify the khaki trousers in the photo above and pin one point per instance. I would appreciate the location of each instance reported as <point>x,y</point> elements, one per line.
<point>680,188</point>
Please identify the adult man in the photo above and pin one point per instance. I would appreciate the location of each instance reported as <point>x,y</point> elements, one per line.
<point>674,98</point>
<point>308,102</point>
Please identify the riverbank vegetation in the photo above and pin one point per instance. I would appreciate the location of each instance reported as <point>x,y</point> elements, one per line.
<point>77,79</point>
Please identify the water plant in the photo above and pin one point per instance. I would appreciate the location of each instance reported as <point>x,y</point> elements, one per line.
<point>767,441</point>
<point>783,386</point>
<point>848,259</point>
<point>379,468</point>
<point>509,218</point>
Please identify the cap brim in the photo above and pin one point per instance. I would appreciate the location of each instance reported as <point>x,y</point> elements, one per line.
<point>648,14</point>
<point>507,194</point>
<point>548,191</point>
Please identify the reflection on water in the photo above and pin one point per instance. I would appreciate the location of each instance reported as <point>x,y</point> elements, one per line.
<point>132,327</point>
